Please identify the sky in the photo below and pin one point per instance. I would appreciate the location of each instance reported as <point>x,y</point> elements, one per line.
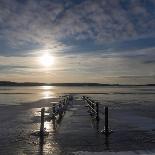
<point>104,41</point>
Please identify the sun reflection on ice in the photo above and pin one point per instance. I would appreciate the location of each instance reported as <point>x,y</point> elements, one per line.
<point>48,126</point>
<point>47,87</point>
<point>48,94</point>
<point>46,144</point>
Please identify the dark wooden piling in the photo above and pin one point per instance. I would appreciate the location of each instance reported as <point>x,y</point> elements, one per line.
<point>106,122</point>
<point>97,112</point>
<point>42,122</point>
<point>53,109</point>
<point>107,130</point>
<point>93,108</point>
<point>60,111</point>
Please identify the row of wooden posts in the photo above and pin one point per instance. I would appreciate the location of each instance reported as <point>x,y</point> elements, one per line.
<point>57,110</point>
<point>93,109</point>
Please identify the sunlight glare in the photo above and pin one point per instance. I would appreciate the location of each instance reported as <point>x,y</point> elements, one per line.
<point>46,60</point>
<point>47,87</point>
<point>48,94</point>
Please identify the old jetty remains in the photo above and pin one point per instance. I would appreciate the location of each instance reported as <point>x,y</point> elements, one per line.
<point>82,123</point>
<point>92,107</point>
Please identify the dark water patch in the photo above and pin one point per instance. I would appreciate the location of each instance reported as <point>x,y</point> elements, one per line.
<point>146,89</point>
<point>17,128</point>
<point>135,93</point>
<point>100,93</point>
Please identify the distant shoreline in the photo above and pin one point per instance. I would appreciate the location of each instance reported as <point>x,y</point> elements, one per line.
<point>9,83</point>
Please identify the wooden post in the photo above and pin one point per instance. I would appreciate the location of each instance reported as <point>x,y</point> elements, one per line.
<point>106,122</point>
<point>93,108</point>
<point>64,103</point>
<point>67,100</point>
<point>106,130</point>
<point>97,111</point>
<point>89,105</point>
<point>53,109</point>
<point>60,111</point>
<point>42,122</point>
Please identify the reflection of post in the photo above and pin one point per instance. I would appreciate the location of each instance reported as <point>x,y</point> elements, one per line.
<point>42,122</point>
<point>41,144</point>
<point>107,143</point>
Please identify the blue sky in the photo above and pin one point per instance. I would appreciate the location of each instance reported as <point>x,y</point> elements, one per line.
<point>107,41</point>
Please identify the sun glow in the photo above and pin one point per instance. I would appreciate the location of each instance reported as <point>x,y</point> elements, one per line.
<point>46,60</point>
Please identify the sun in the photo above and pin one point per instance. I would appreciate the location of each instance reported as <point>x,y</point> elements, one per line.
<point>46,60</point>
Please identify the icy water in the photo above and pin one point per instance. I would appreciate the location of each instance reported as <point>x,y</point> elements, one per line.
<point>20,117</point>
<point>18,95</point>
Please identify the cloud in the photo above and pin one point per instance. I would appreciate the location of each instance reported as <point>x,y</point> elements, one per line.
<point>6,67</point>
<point>49,24</point>
<point>138,77</point>
<point>12,69</point>
<point>149,62</point>
<point>105,21</point>
<point>29,24</point>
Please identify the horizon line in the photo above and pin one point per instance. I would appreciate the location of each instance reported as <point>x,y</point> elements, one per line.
<point>12,83</point>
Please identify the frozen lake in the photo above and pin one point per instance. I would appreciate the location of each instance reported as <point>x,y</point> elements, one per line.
<point>110,94</point>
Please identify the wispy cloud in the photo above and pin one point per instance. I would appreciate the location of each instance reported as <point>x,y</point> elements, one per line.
<point>149,62</point>
<point>49,24</point>
<point>88,37</point>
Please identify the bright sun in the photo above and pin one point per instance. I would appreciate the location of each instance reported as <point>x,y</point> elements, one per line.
<point>46,60</point>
